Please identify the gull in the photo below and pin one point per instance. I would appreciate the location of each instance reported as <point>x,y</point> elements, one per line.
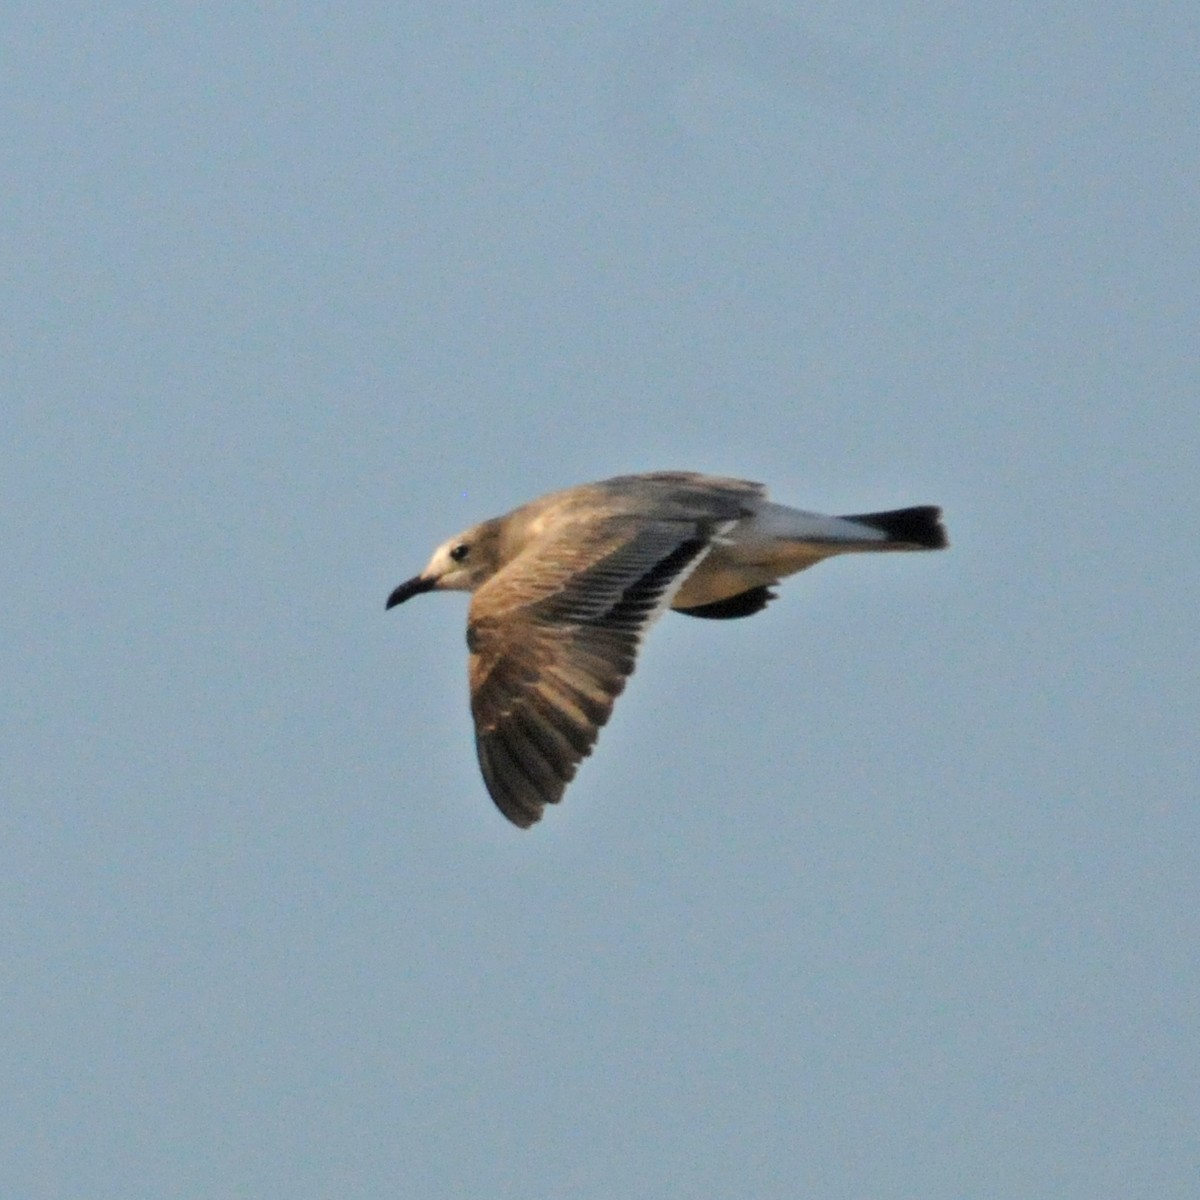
<point>566,586</point>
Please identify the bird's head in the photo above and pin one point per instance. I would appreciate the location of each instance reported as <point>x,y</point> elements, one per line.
<point>459,564</point>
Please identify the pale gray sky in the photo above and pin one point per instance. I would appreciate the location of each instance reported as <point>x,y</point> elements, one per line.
<point>889,891</point>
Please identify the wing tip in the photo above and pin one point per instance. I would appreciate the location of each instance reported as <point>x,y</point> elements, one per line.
<point>744,604</point>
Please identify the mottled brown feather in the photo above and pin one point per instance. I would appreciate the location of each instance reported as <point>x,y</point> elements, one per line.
<point>553,640</point>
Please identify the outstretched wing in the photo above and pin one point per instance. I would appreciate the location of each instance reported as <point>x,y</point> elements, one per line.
<point>553,637</point>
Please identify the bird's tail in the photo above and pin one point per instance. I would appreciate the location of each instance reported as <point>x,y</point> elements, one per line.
<point>918,528</point>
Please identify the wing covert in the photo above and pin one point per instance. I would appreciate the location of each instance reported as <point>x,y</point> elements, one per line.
<point>553,637</point>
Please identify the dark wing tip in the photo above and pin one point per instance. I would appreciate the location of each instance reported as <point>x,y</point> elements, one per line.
<point>518,788</point>
<point>744,604</point>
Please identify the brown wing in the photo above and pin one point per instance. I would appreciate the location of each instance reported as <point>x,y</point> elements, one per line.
<point>686,495</point>
<point>553,637</point>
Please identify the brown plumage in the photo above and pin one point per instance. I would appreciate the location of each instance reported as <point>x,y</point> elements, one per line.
<point>566,586</point>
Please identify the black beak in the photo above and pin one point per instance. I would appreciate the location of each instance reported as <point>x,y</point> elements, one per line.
<point>414,587</point>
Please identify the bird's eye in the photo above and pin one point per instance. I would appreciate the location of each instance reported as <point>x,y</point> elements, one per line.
<point>459,552</point>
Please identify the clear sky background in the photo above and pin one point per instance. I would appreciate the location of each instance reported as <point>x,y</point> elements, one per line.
<point>890,891</point>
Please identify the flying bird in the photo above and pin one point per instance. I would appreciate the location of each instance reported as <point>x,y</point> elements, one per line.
<point>566,586</point>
